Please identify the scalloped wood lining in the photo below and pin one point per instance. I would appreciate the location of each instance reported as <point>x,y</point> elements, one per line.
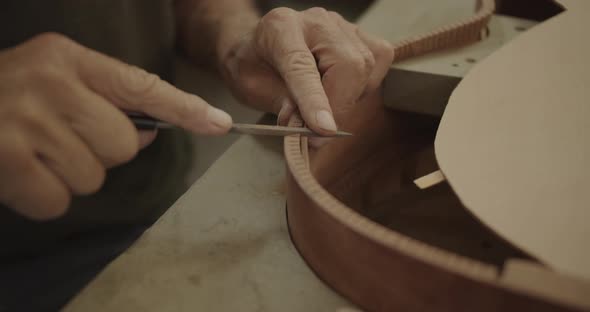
<point>378,268</point>
<point>454,35</point>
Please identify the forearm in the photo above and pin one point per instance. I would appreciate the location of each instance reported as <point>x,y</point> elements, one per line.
<point>208,28</point>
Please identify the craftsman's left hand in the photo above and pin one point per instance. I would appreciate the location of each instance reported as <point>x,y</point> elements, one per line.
<point>313,61</point>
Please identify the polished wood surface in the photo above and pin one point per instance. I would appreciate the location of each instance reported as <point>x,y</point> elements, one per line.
<point>364,228</point>
<point>367,231</point>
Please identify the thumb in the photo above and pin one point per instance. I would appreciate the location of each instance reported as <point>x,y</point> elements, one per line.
<point>131,88</point>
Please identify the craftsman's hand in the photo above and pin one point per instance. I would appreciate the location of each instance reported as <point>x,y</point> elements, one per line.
<point>313,61</point>
<point>62,125</point>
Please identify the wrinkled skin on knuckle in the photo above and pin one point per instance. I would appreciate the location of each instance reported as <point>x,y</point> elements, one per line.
<point>41,73</point>
<point>52,50</point>
<point>278,15</point>
<point>316,28</point>
<point>299,63</point>
<point>189,113</point>
<point>319,26</point>
<point>311,94</point>
<point>270,29</point>
<point>368,56</point>
<point>356,62</point>
<point>135,82</point>
<point>44,71</point>
<point>316,12</point>
<point>43,58</point>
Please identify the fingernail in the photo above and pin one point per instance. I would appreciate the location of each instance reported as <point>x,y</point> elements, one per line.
<point>325,120</point>
<point>219,118</point>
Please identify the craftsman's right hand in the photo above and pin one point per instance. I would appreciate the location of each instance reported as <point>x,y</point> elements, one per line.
<point>62,125</point>
<point>313,61</point>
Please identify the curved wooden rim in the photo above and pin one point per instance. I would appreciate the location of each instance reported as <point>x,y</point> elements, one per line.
<point>297,158</point>
<point>297,163</point>
<point>483,283</point>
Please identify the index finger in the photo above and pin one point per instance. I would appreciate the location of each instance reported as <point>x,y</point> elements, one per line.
<point>283,44</point>
<point>131,88</point>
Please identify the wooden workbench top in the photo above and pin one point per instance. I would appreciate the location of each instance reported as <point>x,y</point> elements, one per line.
<point>223,246</point>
